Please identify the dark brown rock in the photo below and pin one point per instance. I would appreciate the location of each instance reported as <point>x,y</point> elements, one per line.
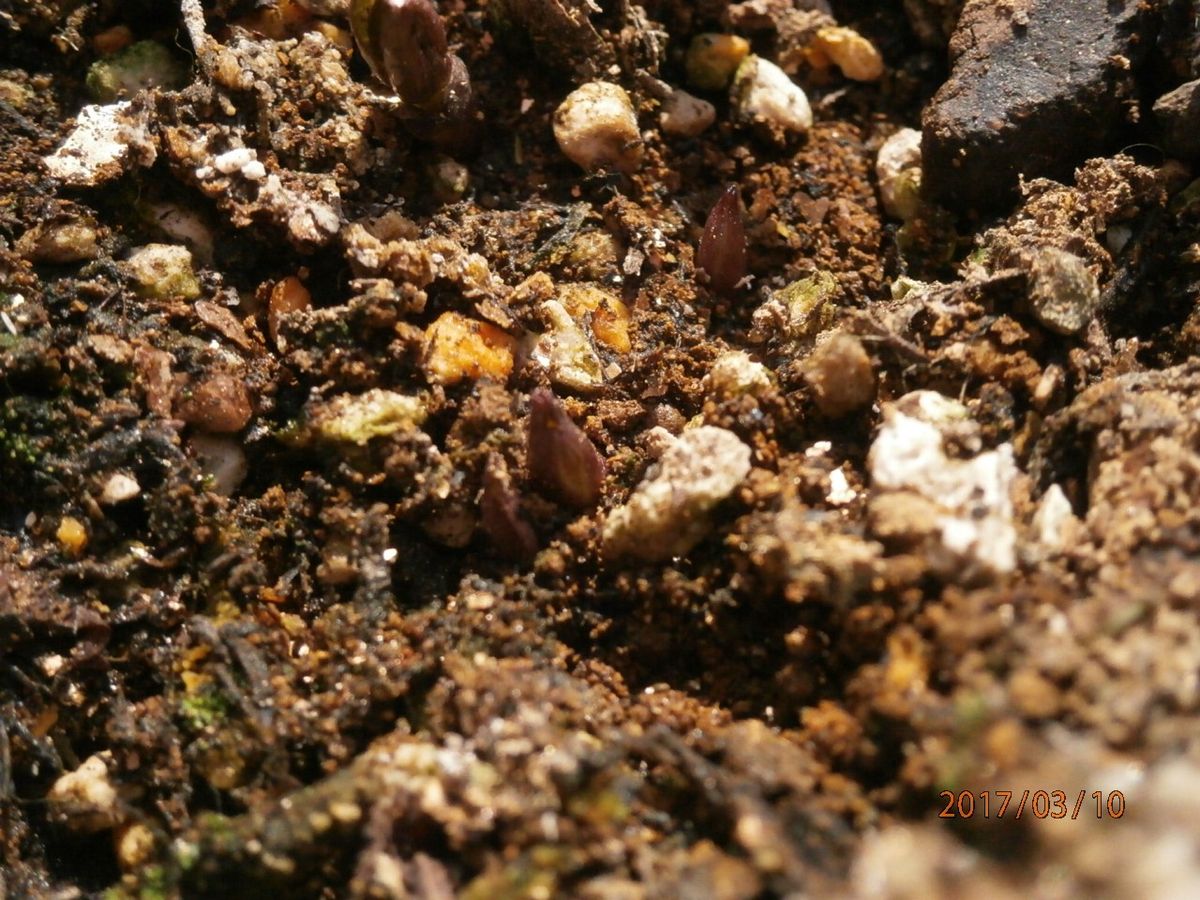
<point>1036,87</point>
<point>1178,115</point>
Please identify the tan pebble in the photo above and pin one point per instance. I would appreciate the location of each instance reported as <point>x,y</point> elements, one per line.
<point>220,404</point>
<point>163,272</point>
<point>734,373</point>
<point>1063,291</point>
<point>596,128</point>
<point>610,317</point>
<point>345,812</point>
<point>222,460</point>
<point>86,797</point>
<point>686,116</point>
<point>66,242</point>
<point>134,844</point>
<point>458,347</point>
<point>841,376</point>
<point>71,535</point>
<point>898,171</point>
<point>339,37</point>
<point>1003,743</point>
<point>713,58</point>
<point>856,56</point>
<point>112,40</point>
<point>288,296</point>
<point>184,225</point>
<point>1032,694</point>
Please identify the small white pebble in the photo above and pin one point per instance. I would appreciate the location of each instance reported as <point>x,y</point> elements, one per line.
<point>51,664</point>
<point>565,351</point>
<point>840,492</point>
<point>735,373</point>
<point>1117,237</point>
<point>1054,522</point>
<point>898,169</point>
<point>667,514</point>
<point>105,141</point>
<point>762,92</point>
<point>119,488</point>
<point>86,797</point>
<point>222,459</point>
<point>596,128</point>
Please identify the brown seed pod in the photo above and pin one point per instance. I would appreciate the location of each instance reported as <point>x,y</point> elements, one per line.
<point>722,251</point>
<point>559,456</point>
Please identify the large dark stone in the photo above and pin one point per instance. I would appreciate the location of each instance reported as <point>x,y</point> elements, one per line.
<point>1036,87</point>
<point>1178,115</point>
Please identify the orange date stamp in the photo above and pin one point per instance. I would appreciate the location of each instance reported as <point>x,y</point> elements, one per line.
<point>1039,804</point>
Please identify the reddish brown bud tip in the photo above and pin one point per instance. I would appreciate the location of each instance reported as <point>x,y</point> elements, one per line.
<point>500,514</point>
<point>722,252</point>
<point>560,457</point>
<point>411,41</point>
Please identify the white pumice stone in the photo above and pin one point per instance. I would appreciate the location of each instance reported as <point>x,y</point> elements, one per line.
<point>763,93</point>
<point>596,128</point>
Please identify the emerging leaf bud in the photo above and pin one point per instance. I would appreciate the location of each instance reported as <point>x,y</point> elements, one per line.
<point>500,513</point>
<point>722,252</point>
<point>559,456</point>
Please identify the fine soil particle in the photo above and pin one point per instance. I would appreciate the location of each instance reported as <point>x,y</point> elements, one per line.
<point>397,500</point>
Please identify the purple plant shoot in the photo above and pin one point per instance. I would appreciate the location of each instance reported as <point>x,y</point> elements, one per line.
<point>722,252</point>
<point>560,457</point>
<point>500,514</point>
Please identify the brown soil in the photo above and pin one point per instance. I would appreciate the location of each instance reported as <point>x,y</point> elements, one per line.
<point>256,636</point>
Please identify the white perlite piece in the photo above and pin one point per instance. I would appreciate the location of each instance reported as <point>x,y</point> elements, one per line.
<point>309,220</point>
<point>974,532</point>
<point>898,169</point>
<point>106,141</point>
<point>241,160</point>
<point>762,92</point>
<point>667,514</point>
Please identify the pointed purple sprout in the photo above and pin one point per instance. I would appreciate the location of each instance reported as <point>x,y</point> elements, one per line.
<point>500,514</point>
<point>559,456</point>
<point>722,252</point>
